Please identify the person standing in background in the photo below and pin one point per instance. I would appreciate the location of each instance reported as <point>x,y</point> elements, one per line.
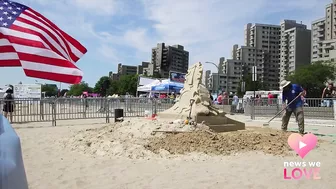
<point>235,103</point>
<point>220,99</point>
<point>270,98</point>
<point>8,107</point>
<point>327,95</point>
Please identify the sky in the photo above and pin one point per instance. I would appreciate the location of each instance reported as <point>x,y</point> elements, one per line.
<point>125,31</point>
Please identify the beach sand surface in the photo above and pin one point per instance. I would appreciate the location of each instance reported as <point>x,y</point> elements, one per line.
<point>84,155</point>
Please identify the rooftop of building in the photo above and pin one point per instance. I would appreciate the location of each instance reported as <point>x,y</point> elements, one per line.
<point>231,60</point>
<point>296,28</point>
<point>318,20</point>
<point>245,47</point>
<point>266,25</point>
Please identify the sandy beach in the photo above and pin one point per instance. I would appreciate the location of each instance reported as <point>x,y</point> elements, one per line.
<point>81,154</point>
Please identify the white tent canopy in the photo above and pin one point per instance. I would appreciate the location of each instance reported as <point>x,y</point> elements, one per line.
<point>148,87</point>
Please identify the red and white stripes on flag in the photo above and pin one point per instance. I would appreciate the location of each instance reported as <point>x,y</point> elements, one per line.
<point>41,48</point>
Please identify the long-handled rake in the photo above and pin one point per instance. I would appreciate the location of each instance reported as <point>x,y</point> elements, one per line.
<point>267,123</point>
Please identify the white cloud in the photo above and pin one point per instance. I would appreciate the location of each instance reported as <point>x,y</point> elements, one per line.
<point>190,22</point>
<point>99,7</point>
<point>208,29</point>
<point>91,7</point>
<point>139,39</point>
<point>108,52</point>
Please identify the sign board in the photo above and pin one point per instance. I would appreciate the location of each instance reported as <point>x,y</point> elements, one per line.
<point>254,73</point>
<point>177,77</point>
<point>27,91</point>
<point>146,80</point>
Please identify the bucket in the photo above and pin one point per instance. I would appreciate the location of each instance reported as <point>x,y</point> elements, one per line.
<point>118,113</point>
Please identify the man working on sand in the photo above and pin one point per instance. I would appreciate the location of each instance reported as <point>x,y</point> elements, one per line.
<point>292,92</point>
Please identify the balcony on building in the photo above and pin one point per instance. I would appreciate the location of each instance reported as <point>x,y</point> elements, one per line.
<point>320,24</point>
<point>320,29</point>
<point>328,47</point>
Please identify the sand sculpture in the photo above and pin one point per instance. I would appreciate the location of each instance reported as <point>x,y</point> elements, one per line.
<point>194,96</point>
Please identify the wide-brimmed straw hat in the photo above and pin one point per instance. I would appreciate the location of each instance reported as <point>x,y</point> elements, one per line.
<point>283,84</point>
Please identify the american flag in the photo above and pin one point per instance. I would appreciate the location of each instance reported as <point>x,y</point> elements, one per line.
<point>30,40</point>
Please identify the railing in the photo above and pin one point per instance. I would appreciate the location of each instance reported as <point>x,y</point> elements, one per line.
<point>315,108</point>
<point>51,109</point>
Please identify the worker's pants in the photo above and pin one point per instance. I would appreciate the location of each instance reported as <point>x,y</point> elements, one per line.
<point>298,112</point>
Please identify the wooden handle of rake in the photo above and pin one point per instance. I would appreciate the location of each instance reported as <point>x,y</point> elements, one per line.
<point>285,107</point>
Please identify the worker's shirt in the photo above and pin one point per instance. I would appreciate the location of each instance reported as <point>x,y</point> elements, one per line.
<point>291,94</point>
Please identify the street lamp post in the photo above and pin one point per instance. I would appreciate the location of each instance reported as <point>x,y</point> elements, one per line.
<point>217,75</point>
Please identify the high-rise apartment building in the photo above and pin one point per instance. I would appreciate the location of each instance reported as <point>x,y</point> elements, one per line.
<point>169,58</point>
<point>295,47</point>
<point>262,50</point>
<point>127,70</point>
<point>229,80</point>
<point>234,52</point>
<point>317,39</point>
<point>123,70</point>
<point>142,69</point>
<point>207,83</point>
<point>221,65</point>
<point>324,35</point>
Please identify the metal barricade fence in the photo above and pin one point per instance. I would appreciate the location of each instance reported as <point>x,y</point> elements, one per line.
<point>315,108</point>
<point>230,105</point>
<point>53,109</point>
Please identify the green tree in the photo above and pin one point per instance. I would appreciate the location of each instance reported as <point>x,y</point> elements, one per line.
<point>113,88</point>
<point>128,83</point>
<point>78,89</point>
<point>313,77</point>
<point>50,90</point>
<point>102,85</point>
<point>249,85</point>
<point>156,75</point>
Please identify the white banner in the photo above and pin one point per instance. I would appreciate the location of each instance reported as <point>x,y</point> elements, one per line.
<point>27,91</point>
<point>147,80</point>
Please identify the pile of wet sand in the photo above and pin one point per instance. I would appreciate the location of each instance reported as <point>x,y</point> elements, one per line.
<point>265,140</point>
<point>135,139</point>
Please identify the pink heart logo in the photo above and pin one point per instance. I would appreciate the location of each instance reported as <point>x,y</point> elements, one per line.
<point>302,145</point>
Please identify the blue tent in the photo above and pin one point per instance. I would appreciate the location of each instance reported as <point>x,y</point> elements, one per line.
<point>168,87</point>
